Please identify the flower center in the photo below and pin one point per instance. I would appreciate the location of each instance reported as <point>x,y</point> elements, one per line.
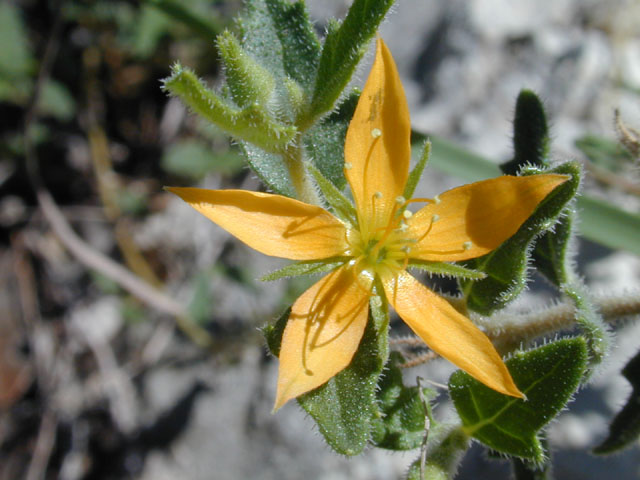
<point>386,248</point>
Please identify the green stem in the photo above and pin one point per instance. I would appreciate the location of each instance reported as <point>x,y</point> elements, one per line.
<point>305,190</point>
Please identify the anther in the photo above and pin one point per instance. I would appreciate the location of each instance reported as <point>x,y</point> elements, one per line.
<point>377,195</point>
<point>400,200</point>
<point>403,227</point>
<point>467,245</point>
<point>376,132</point>
<point>407,214</point>
<point>436,199</point>
<point>435,217</point>
<point>348,166</point>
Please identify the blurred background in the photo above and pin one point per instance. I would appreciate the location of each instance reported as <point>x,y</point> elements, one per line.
<point>129,340</point>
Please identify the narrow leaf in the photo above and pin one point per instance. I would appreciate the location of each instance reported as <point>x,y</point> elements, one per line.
<point>343,48</point>
<point>252,123</point>
<point>548,376</point>
<point>247,80</point>
<point>530,134</point>
<point>300,45</point>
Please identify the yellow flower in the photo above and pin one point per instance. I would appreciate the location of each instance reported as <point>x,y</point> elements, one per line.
<point>328,320</point>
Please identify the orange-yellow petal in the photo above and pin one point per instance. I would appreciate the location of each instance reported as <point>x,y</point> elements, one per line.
<point>448,333</point>
<point>474,219</point>
<point>271,224</point>
<point>377,148</point>
<point>323,333</point>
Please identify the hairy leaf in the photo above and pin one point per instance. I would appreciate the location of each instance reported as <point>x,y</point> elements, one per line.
<point>548,376</point>
<point>401,425</point>
<point>343,47</point>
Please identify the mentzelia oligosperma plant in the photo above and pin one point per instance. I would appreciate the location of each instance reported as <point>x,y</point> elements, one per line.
<point>333,344</point>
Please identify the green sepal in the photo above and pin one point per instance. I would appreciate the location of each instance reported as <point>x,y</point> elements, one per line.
<point>401,425</point>
<point>252,123</point>
<point>446,445</point>
<point>624,430</point>
<point>345,406</point>
<point>325,141</point>
<point>310,267</point>
<point>343,48</point>
<point>530,134</point>
<point>552,253</point>
<point>273,332</point>
<point>548,376</point>
<point>416,173</point>
<point>340,204</point>
<point>447,269</point>
<point>506,266</point>
<point>248,82</point>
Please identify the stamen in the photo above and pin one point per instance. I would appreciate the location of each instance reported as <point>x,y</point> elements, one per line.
<point>467,245</point>
<point>435,217</point>
<point>378,195</point>
<point>348,166</point>
<point>436,199</point>
<point>400,200</point>
<point>407,214</point>
<point>403,227</point>
<point>376,132</point>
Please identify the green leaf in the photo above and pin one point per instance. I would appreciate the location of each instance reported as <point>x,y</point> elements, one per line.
<point>16,60</point>
<point>526,470</point>
<point>194,159</point>
<point>205,23</point>
<point>447,269</point>
<point>530,134</point>
<point>401,425</point>
<point>252,123</point>
<point>548,376</point>
<point>343,48</point>
<point>506,266</point>
<point>247,80</point>
<point>309,267</point>
<point>416,173</point>
<point>345,406</point>
<point>609,225</point>
<point>340,204</point>
<point>624,430</point>
<point>324,142</point>
<point>445,448</point>
<point>300,45</point>
<point>270,168</point>
<point>56,101</point>
<point>603,152</point>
